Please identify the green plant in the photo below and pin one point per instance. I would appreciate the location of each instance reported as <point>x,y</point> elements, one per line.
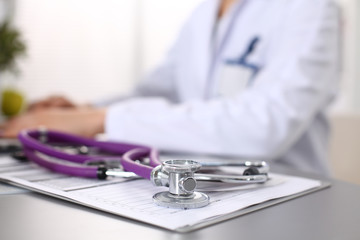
<point>11,46</point>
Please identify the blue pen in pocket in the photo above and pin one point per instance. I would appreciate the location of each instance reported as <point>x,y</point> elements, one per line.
<point>243,59</point>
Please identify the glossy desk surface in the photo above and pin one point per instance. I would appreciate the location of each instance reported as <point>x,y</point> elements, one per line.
<point>332,213</point>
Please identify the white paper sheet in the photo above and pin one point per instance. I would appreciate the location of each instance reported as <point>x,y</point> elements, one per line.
<point>133,199</point>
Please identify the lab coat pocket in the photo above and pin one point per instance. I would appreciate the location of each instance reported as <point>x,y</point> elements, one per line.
<point>233,79</point>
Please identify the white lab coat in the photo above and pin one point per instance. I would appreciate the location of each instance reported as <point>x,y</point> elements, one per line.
<point>279,117</point>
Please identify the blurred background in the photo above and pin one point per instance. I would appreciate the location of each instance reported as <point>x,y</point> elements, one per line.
<point>90,49</point>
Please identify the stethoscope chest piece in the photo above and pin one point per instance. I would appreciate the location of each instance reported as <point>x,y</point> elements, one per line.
<point>169,200</point>
<point>182,184</point>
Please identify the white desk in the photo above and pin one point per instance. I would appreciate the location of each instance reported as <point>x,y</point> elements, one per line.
<point>332,213</point>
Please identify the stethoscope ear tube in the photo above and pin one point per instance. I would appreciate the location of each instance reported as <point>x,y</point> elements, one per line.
<point>30,142</point>
<point>35,148</point>
<point>239,179</point>
<point>73,170</point>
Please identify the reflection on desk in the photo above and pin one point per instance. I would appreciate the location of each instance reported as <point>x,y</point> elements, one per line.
<point>332,213</point>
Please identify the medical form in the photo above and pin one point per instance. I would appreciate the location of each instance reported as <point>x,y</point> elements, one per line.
<point>133,198</point>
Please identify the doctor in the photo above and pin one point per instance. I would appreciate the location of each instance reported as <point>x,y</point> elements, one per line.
<point>246,78</point>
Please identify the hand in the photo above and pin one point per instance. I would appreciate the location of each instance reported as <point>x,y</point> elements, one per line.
<point>85,122</point>
<point>52,102</point>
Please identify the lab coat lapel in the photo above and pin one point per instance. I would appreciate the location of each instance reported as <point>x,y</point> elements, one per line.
<point>211,52</point>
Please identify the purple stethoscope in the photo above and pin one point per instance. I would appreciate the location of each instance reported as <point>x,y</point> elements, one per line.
<point>84,157</point>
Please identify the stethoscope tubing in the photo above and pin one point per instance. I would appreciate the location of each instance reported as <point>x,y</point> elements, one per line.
<point>73,170</point>
<point>75,164</point>
<point>128,163</point>
<point>28,139</point>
